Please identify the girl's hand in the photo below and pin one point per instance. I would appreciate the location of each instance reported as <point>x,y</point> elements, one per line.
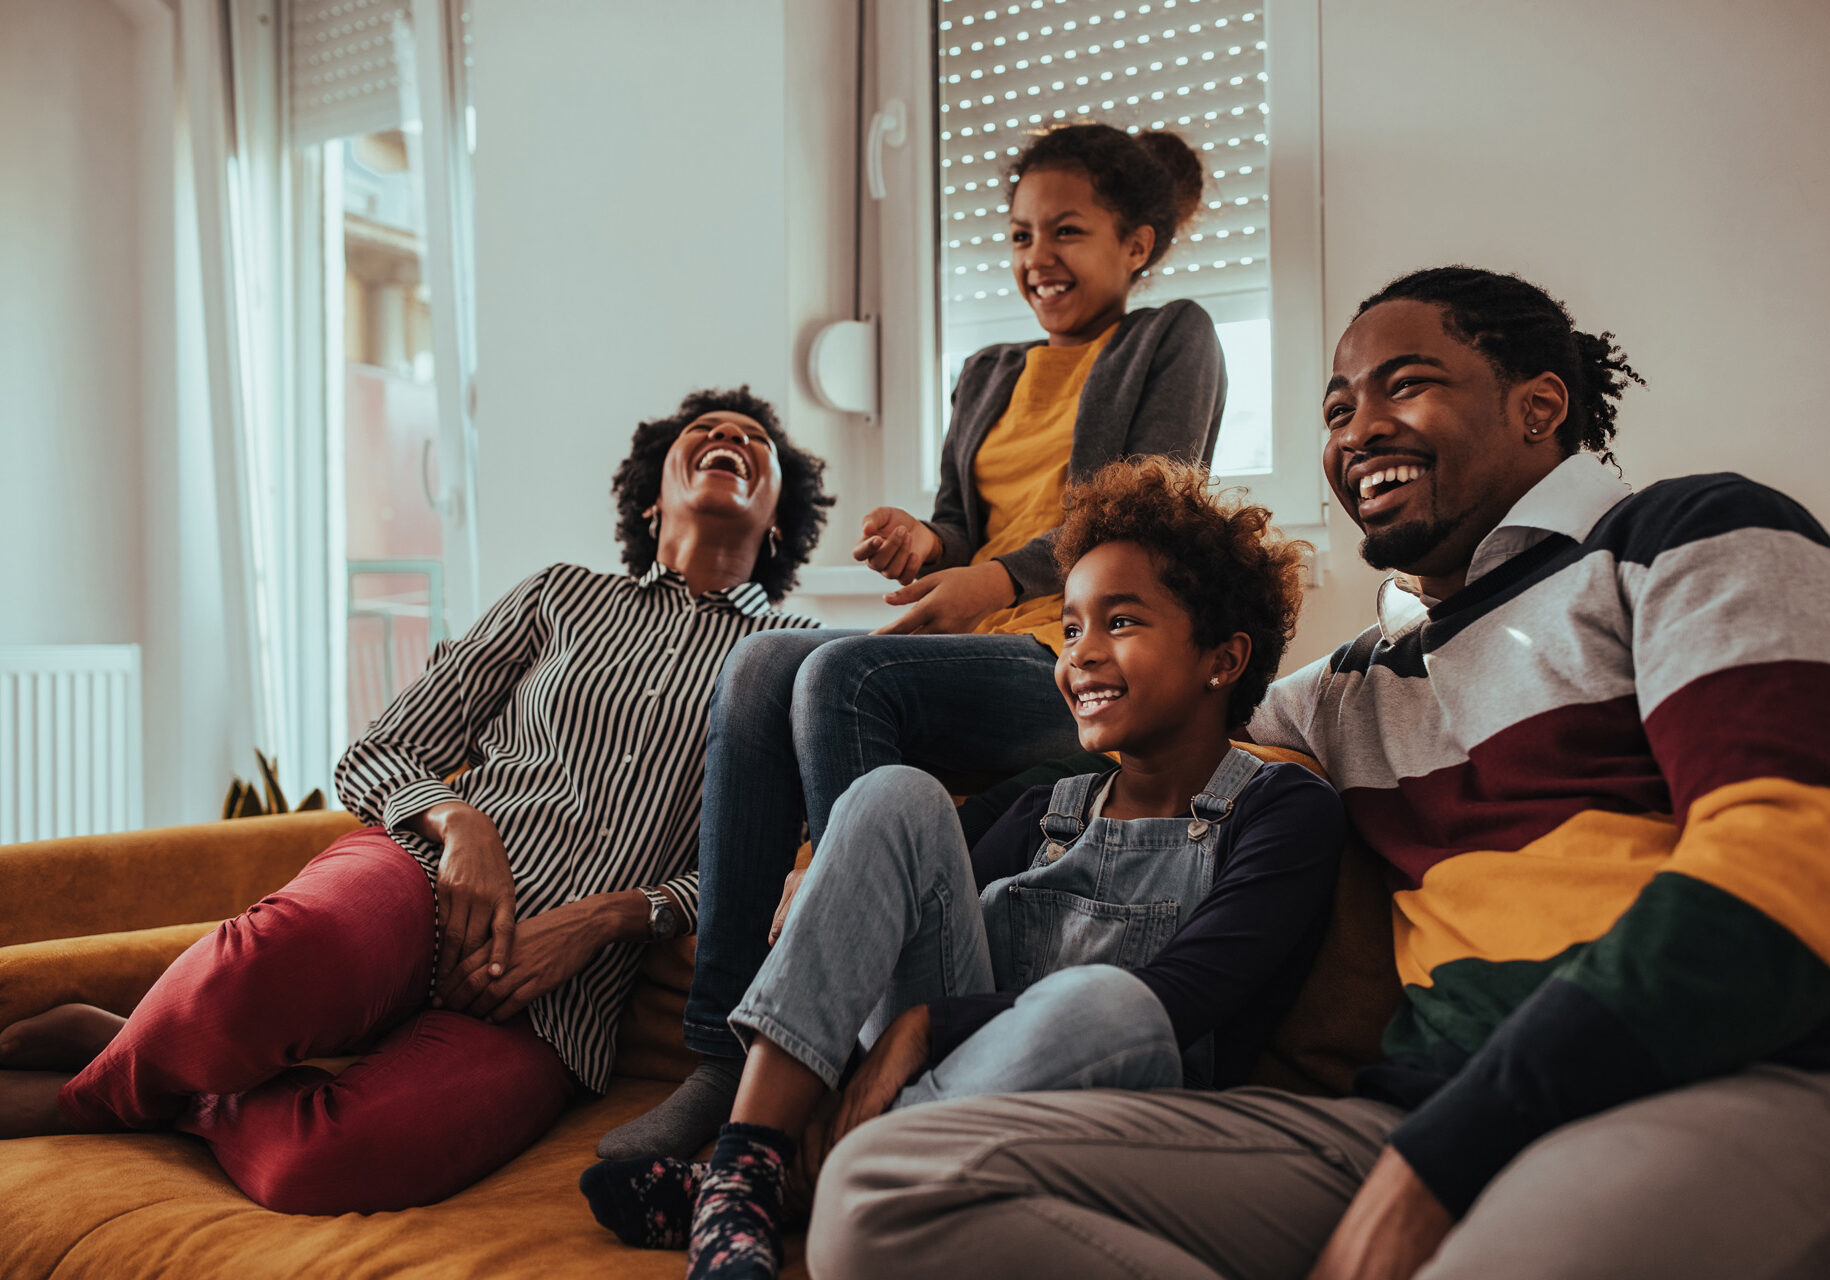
<point>952,601</point>
<point>790,887</point>
<point>476,893</point>
<point>896,544</point>
<point>550,948</point>
<point>897,1058</point>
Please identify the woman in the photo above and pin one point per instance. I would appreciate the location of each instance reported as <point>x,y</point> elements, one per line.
<point>1141,939</point>
<point>475,943</point>
<point>963,680</point>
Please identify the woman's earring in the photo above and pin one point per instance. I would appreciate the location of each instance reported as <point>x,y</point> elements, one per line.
<point>774,536</point>
<point>654,523</point>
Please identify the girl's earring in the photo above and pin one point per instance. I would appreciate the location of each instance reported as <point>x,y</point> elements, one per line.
<point>654,523</point>
<point>774,537</point>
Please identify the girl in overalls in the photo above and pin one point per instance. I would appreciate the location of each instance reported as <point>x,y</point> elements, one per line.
<point>1140,928</point>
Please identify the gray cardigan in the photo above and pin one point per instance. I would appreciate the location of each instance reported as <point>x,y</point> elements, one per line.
<point>1157,388</point>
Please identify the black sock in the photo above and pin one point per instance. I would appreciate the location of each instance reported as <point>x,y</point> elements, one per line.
<point>737,1220</point>
<point>647,1203</point>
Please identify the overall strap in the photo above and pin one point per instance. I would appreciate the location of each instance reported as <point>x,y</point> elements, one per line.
<point>1215,802</point>
<point>1063,823</point>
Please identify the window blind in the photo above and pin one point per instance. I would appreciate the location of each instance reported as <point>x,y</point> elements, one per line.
<point>1010,69</point>
<point>349,68</point>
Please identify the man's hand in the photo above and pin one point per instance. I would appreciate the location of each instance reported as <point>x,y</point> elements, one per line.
<point>476,893</point>
<point>897,1057</point>
<point>952,601</point>
<point>550,948</point>
<point>896,544</point>
<point>1392,1228</point>
<point>790,887</point>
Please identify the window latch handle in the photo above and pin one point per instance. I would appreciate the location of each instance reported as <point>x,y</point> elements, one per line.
<point>889,128</point>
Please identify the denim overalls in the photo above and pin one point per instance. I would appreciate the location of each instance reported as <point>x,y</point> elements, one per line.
<point>1110,892</point>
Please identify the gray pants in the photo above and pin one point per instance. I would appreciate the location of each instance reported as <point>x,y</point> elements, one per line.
<point>1727,1178</point>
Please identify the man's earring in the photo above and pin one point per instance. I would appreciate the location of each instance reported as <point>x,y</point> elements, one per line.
<point>1213,682</point>
<point>774,537</point>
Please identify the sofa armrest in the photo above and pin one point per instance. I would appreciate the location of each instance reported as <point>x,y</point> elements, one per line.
<point>112,970</point>
<point>146,879</point>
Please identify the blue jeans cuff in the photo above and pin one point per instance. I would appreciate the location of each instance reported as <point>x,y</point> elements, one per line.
<point>713,1042</point>
<point>746,1025</point>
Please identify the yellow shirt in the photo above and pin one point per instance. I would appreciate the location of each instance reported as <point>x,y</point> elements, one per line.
<point>1021,470</point>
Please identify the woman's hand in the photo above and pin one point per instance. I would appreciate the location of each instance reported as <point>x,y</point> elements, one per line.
<point>952,601</point>
<point>790,887</point>
<point>549,948</point>
<point>1392,1227</point>
<point>896,544</point>
<point>897,1058</point>
<point>476,893</point>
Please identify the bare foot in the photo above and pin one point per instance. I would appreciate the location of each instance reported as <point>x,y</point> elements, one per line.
<point>28,1104</point>
<point>66,1038</point>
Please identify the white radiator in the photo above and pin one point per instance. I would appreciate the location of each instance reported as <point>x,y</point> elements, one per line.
<point>69,740</point>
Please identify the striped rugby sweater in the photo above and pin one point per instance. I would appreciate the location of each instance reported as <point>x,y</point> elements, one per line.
<point>1599,776</point>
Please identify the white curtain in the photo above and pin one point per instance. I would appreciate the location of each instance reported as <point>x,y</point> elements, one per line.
<point>232,116</point>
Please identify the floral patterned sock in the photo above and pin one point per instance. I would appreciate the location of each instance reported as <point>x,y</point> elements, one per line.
<point>647,1203</point>
<point>737,1221</point>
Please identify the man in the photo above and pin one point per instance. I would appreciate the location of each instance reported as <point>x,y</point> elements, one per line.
<point>1588,735</point>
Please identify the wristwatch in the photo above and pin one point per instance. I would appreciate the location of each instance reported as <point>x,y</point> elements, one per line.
<point>662,922</point>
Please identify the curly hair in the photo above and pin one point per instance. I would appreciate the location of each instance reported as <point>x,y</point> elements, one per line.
<point>800,512</point>
<point>1221,559</point>
<point>1152,179</point>
<point>1524,332</point>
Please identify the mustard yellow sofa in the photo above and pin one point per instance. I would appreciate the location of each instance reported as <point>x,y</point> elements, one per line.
<point>98,919</point>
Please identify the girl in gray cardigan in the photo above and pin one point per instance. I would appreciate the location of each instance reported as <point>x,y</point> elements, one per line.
<point>963,681</point>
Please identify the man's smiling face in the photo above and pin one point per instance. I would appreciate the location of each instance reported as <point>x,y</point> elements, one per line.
<point>1427,448</point>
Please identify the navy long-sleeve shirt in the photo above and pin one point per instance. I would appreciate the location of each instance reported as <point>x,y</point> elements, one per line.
<point>1239,961</point>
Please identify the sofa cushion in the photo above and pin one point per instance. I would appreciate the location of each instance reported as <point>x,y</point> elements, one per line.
<point>157,1205</point>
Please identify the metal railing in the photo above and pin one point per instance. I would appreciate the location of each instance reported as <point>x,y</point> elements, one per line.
<point>379,669</point>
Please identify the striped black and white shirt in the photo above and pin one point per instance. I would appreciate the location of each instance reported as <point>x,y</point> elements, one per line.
<point>579,704</point>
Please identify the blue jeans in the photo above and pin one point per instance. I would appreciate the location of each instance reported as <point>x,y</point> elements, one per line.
<point>795,719</point>
<point>888,917</point>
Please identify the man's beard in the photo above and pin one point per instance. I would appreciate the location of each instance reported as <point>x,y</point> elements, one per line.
<point>1405,544</point>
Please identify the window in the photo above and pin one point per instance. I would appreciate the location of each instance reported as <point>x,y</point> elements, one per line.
<point>382,133</point>
<point>1237,82</point>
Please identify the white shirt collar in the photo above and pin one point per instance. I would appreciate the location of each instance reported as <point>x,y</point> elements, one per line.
<point>747,598</point>
<point>1568,501</point>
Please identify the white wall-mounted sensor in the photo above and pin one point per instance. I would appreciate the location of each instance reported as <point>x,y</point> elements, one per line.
<point>842,367</point>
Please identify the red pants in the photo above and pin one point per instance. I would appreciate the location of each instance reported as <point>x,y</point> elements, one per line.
<point>337,962</point>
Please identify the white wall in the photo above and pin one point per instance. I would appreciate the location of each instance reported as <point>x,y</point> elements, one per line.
<point>1659,165</point>
<point>635,185</point>
<point>70,496</point>
<point>107,506</point>
<point>663,203</point>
